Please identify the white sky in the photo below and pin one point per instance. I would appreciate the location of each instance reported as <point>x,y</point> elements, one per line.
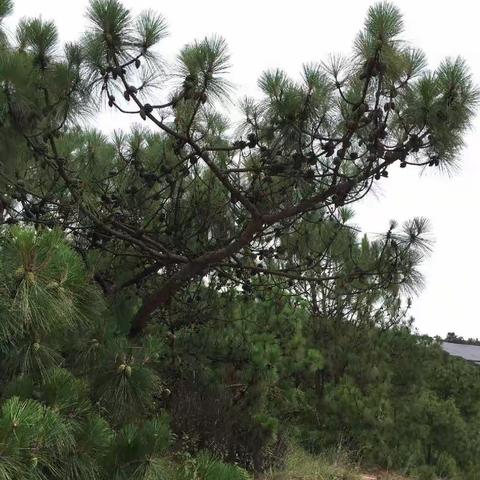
<point>274,33</point>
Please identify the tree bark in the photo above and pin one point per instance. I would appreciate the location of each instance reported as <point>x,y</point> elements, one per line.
<point>179,279</point>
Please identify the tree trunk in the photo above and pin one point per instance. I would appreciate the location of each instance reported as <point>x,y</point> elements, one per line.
<point>197,266</point>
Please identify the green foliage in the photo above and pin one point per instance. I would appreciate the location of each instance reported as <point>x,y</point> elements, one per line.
<point>204,63</point>
<point>38,38</point>
<point>181,302</point>
<point>385,394</point>
<point>151,29</point>
<point>33,436</point>
<point>6,7</point>
<point>207,467</point>
<point>110,20</point>
<point>52,424</point>
<point>255,370</point>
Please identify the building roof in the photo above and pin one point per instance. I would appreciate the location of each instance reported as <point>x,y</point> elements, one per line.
<point>468,352</point>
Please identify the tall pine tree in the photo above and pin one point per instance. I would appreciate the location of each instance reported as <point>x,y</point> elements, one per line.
<point>189,270</point>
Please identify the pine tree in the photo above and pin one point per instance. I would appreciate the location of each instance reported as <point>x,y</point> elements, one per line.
<point>180,288</point>
<point>79,402</point>
<point>185,199</point>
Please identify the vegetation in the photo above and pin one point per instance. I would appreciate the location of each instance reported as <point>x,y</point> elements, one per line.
<point>453,338</point>
<point>300,465</point>
<point>190,299</point>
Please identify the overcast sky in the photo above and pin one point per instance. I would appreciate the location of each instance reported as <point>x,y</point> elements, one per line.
<point>274,33</point>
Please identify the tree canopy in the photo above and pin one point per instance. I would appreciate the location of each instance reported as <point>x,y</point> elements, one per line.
<point>190,195</point>
<point>198,283</point>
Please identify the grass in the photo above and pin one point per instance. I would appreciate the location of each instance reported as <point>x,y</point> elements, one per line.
<point>302,466</point>
<point>335,466</point>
